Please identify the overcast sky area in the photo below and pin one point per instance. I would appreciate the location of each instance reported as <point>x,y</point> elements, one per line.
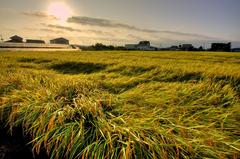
<point>117,22</point>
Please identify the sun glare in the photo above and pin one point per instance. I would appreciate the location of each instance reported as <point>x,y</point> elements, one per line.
<point>60,10</point>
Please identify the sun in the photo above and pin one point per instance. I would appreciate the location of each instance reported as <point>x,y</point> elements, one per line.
<point>59,10</point>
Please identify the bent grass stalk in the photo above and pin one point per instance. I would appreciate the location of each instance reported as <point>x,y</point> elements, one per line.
<point>136,105</point>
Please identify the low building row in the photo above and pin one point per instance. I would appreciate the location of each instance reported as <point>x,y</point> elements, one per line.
<point>145,45</point>
<point>18,39</point>
<point>142,45</point>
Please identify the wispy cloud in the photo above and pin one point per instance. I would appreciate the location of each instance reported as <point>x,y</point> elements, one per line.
<point>100,22</point>
<point>62,27</point>
<point>72,29</point>
<point>105,23</point>
<point>51,30</point>
<point>187,34</point>
<point>38,14</point>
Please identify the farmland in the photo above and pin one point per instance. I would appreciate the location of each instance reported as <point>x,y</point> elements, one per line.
<point>123,104</point>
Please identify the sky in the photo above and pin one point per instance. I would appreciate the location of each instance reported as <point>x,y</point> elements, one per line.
<point>118,22</point>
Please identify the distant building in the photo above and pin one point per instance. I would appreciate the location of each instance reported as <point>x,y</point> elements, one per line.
<point>236,50</point>
<point>186,47</point>
<point>35,41</point>
<point>142,45</point>
<point>131,46</point>
<point>226,47</point>
<point>145,45</point>
<point>173,48</point>
<point>15,39</point>
<point>59,41</point>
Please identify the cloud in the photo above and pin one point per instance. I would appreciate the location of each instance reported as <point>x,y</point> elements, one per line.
<point>63,27</point>
<point>100,22</point>
<point>51,30</point>
<point>104,23</point>
<point>38,14</point>
<point>188,34</point>
<point>71,29</point>
<point>107,23</point>
<point>116,32</point>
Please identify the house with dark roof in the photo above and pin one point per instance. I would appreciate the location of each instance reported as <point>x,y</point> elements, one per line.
<point>15,39</point>
<point>60,40</point>
<point>35,41</point>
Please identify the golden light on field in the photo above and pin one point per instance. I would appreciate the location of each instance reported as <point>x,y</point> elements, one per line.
<point>60,10</point>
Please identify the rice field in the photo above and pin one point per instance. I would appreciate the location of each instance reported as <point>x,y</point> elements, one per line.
<point>123,105</point>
